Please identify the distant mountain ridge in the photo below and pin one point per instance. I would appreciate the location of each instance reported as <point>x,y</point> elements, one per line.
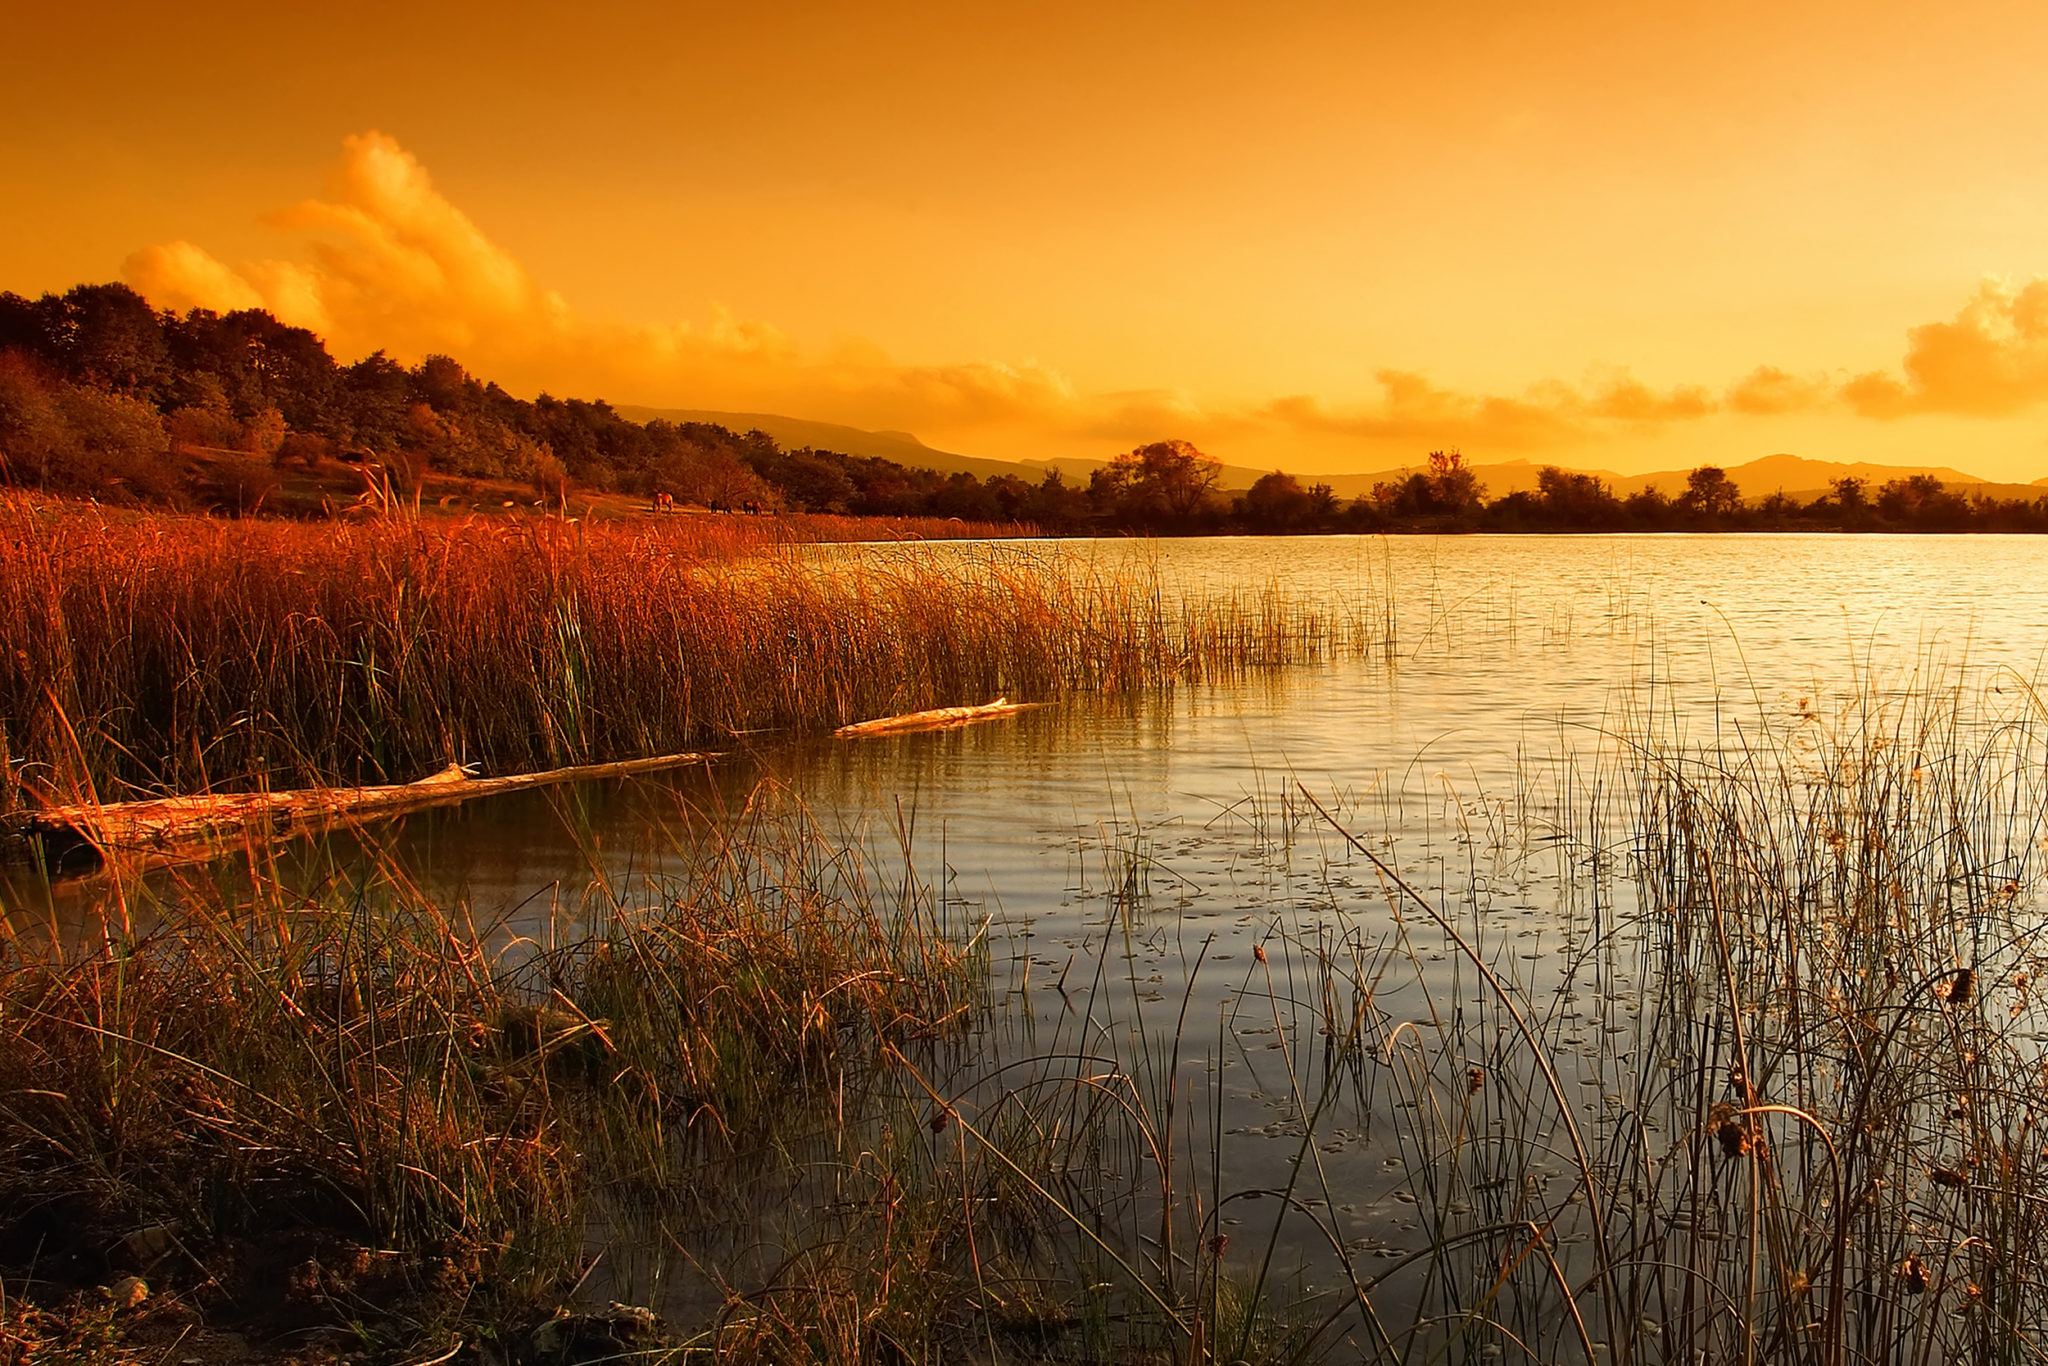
<point>793,433</point>
<point>1795,476</point>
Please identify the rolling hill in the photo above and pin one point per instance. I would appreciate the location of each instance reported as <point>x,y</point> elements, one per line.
<point>1797,477</point>
<point>795,432</point>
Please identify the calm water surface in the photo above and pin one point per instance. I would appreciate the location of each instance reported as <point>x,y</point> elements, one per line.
<point>1508,653</point>
<point>1457,746</point>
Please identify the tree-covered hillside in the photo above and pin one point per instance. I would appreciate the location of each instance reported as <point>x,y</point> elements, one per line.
<point>102,396</point>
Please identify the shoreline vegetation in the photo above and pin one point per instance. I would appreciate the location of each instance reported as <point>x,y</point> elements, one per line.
<point>360,1126</point>
<point>1772,1099</point>
<point>156,654</point>
<point>103,398</point>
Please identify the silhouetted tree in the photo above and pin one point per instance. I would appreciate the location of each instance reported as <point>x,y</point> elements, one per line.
<point>112,339</point>
<point>1448,491</point>
<point>377,393</point>
<point>1924,503</point>
<point>1277,503</point>
<point>1648,507</point>
<point>1711,494</point>
<point>1057,507</point>
<point>1571,499</point>
<point>1163,486</point>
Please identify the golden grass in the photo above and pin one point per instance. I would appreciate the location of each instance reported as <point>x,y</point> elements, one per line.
<point>1776,1102</point>
<point>1779,1098</point>
<point>151,653</point>
<point>441,1102</point>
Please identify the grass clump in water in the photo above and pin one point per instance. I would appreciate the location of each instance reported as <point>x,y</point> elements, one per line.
<point>157,654</point>
<point>359,1108</point>
<point>1780,1101</point>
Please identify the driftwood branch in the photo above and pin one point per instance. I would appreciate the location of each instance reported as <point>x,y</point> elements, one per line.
<point>938,718</point>
<point>177,828</point>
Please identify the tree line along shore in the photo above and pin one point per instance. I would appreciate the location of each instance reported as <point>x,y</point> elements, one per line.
<point>104,397</point>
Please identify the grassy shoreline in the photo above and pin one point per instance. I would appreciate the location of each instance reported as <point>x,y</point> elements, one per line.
<point>155,654</point>
<point>1775,1102</point>
<point>1772,1098</point>
<point>295,1112</point>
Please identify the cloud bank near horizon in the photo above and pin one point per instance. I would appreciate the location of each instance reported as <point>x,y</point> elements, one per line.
<point>387,262</point>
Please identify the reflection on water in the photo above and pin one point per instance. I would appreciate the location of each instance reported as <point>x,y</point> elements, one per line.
<point>1506,652</point>
<point>1110,845</point>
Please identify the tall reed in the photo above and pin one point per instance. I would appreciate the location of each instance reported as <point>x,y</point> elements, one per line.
<point>1778,1099</point>
<point>1768,1092</point>
<point>433,1106</point>
<point>149,653</point>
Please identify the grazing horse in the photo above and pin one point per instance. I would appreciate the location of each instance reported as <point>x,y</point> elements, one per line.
<point>664,502</point>
<point>753,509</point>
<point>720,505</point>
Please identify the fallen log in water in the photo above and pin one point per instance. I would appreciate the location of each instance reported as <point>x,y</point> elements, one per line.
<point>937,719</point>
<point>80,838</point>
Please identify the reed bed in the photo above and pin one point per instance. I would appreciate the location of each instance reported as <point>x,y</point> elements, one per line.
<point>153,654</point>
<point>737,535</point>
<point>1766,1086</point>
<point>356,1123</point>
<point>1776,1095</point>
<point>309,1104</point>
<point>1772,1097</point>
<point>1770,1092</point>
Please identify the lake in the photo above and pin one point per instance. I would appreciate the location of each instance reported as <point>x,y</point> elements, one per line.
<point>1198,889</point>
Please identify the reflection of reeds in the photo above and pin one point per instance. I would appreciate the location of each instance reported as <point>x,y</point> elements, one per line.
<point>438,1104</point>
<point>1775,1099</point>
<point>154,653</point>
<point>1779,1102</point>
<point>1768,1094</point>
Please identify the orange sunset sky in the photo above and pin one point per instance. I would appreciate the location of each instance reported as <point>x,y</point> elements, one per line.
<point>1327,237</point>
